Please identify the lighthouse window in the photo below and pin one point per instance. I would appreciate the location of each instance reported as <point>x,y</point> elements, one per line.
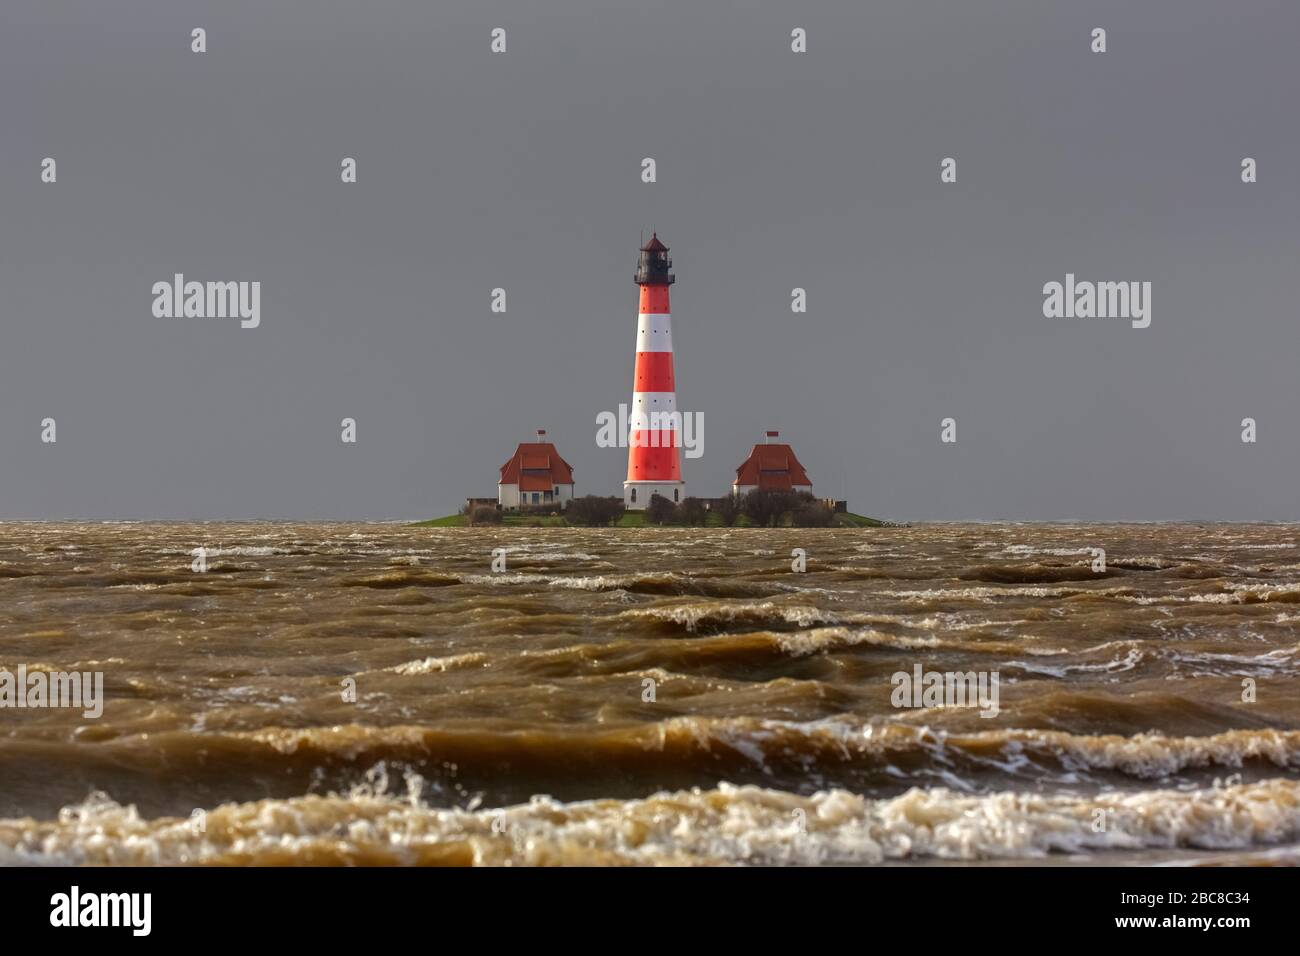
<point>676,492</point>
<point>634,495</point>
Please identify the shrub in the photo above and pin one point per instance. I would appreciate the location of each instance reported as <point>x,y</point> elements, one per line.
<point>484,514</point>
<point>812,514</point>
<point>692,512</point>
<point>660,511</point>
<point>766,509</point>
<point>727,510</point>
<point>594,511</point>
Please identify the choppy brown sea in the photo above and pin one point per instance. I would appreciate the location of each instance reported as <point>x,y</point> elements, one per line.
<point>378,694</point>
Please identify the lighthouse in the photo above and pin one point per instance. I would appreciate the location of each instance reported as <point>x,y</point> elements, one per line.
<point>654,463</point>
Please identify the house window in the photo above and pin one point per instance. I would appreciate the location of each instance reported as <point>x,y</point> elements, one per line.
<point>535,498</point>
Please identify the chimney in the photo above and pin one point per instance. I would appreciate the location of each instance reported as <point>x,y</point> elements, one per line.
<point>770,436</point>
<point>541,434</point>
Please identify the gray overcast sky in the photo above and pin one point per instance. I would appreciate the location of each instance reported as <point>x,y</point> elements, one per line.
<point>521,170</point>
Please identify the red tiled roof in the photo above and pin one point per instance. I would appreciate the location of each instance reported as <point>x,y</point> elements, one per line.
<point>536,466</point>
<point>772,468</point>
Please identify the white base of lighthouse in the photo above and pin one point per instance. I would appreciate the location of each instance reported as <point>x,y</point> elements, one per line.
<point>637,494</point>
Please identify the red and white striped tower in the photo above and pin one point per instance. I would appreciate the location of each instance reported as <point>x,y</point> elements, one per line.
<point>654,464</point>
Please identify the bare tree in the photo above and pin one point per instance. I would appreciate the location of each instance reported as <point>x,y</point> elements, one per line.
<point>692,512</point>
<point>661,511</point>
<point>594,511</point>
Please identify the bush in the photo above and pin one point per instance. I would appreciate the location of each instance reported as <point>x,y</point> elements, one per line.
<point>484,514</point>
<point>727,510</point>
<point>594,511</point>
<point>692,512</point>
<point>773,509</point>
<point>660,511</point>
<point>812,514</point>
<point>766,509</point>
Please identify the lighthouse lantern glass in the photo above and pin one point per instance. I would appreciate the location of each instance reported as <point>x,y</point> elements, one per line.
<point>653,268</point>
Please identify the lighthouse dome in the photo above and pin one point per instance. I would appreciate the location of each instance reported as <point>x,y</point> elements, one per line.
<point>653,265</point>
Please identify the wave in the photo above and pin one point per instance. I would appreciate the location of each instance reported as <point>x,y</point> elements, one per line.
<point>744,654</point>
<point>692,617</point>
<point>1033,573</point>
<point>668,583</point>
<point>1026,549</point>
<point>834,748</point>
<point>439,665</point>
<point>1204,663</point>
<point>251,551</point>
<point>988,595</point>
<point>400,579</point>
<point>725,825</point>
<point>1132,657</point>
<point>1281,593</point>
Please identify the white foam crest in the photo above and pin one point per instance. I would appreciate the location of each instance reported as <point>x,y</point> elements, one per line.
<point>438,665</point>
<point>989,594</point>
<point>1023,549</point>
<point>1116,665</point>
<point>247,551</point>
<point>729,825</point>
<point>691,616</point>
<point>818,639</point>
<point>1251,594</point>
<point>597,582</point>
